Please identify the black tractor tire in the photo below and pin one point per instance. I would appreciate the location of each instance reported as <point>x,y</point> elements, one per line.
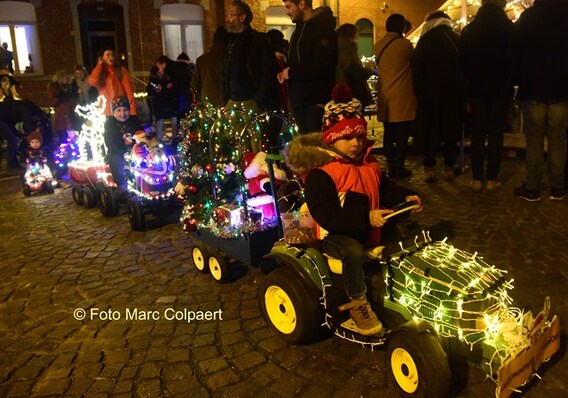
<point>292,308</point>
<point>109,202</point>
<point>48,186</point>
<point>27,190</point>
<point>418,364</point>
<point>77,194</point>
<point>136,215</point>
<point>89,197</point>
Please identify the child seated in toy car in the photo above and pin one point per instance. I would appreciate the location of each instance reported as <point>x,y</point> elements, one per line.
<point>118,139</point>
<point>37,167</point>
<point>346,192</point>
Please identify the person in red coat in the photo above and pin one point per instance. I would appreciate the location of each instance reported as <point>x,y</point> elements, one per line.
<point>346,193</point>
<point>112,81</point>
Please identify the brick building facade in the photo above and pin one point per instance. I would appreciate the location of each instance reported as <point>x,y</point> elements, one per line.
<point>63,43</point>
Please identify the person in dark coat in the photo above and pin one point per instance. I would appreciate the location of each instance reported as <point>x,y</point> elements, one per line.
<point>312,59</point>
<point>485,58</point>
<point>439,88</point>
<point>208,79</point>
<point>165,98</point>
<point>350,69</point>
<point>541,62</point>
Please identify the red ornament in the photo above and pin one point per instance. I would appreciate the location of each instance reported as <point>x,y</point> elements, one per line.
<point>208,167</point>
<point>192,137</point>
<point>192,189</point>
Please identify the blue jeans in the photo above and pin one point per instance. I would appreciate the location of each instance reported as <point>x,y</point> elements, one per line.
<point>116,164</point>
<point>542,120</point>
<point>352,254</point>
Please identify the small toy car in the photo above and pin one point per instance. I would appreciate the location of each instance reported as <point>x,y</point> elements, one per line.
<point>38,176</point>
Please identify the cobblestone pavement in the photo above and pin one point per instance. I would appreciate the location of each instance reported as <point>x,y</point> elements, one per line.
<point>56,257</point>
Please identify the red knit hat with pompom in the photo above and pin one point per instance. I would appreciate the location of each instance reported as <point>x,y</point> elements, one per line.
<point>343,117</point>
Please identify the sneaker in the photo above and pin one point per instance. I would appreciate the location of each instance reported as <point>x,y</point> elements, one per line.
<point>476,185</point>
<point>530,195</point>
<point>493,185</point>
<point>557,193</point>
<point>365,319</point>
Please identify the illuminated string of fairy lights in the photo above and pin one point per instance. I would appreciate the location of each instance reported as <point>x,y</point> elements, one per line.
<point>90,141</point>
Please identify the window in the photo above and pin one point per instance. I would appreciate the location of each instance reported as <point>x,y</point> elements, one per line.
<point>277,18</point>
<point>182,30</point>
<point>18,31</point>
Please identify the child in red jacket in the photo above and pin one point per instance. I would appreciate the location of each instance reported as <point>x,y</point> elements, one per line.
<point>345,191</point>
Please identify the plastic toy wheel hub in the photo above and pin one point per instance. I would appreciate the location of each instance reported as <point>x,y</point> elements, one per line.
<point>280,309</point>
<point>198,258</point>
<point>404,370</point>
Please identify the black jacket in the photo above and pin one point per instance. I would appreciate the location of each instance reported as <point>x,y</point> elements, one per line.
<point>118,135</point>
<point>252,70</point>
<point>313,59</point>
<point>541,52</point>
<point>485,54</point>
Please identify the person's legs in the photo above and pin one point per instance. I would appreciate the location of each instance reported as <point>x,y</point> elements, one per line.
<point>478,129</point>
<point>401,144</point>
<point>389,138</point>
<point>557,122</point>
<point>116,164</point>
<point>160,129</point>
<point>534,125</point>
<point>498,119</point>
<point>352,254</point>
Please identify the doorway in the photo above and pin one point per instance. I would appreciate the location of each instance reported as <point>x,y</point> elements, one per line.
<point>102,26</point>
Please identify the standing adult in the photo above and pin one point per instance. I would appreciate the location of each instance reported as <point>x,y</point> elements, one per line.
<point>350,69</point>
<point>8,57</point>
<point>541,61</point>
<point>251,69</point>
<point>112,80</point>
<point>208,79</point>
<point>485,59</point>
<point>396,103</point>
<point>165,98</point>
<point>59,96</point>
<point>311,63</point>
<point>439,88</point>
<point>181,71</point>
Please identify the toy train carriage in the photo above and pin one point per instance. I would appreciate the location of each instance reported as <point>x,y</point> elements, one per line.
<point>87,172</point>
<point>154,180</point>
<point>38,176</point>
<point>463,297</point>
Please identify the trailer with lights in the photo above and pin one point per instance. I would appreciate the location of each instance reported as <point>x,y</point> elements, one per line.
<point>442,309</point>
<point>231,225</point>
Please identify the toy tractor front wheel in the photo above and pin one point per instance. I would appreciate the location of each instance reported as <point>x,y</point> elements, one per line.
<point>136,215</point>
<point>200,257</point>
<point>418,364</point>
<point>27,190</point>
<point>291,308</point>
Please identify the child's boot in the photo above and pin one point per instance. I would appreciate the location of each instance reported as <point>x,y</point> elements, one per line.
<point>365,319</point>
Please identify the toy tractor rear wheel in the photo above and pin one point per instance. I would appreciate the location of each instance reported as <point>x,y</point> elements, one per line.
<point>136,215</point>
<point>89,197</point>
<point>418,364</point>
<point>200,257</point>
<point>218,267</point>
<point>27,190</point>
<point>292,309</point>
<point>77,194</point>
<point>109,203</point>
